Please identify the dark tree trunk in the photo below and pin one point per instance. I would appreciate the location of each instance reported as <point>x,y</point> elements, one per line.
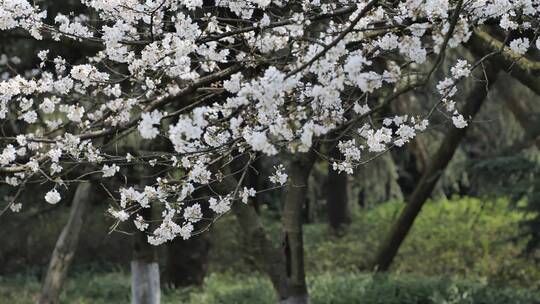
<point>283,264</point>
<point>267,256</point>
<point>187,261</point>
<point>337,200</point>
<point>254,181</point>
<point>401,227</point>
<point>525,70</point>
<point>293,244</point>
<point>65,247</point>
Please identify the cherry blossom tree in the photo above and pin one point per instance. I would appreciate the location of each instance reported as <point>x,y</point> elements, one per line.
<point>212,86</point>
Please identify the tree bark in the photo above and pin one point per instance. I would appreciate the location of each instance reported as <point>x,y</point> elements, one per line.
<point>145,282</point>
<point>187,260</point>
<point>284,265</point>
<point>527,119</point>
<point>527,71</point>
<point>65,247</point>
<point>337,200</point>
<point>402,226</point>
<point>293,244</point>
<point>267,256</point>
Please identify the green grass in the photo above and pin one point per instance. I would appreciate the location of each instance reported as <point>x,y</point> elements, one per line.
<point>462,238</point>
<point>459,251</point>
<point>326,288</point>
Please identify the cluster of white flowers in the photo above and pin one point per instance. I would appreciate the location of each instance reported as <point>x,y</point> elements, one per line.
<point>15,207</point>
<point>520,45</point>
<point>52,197</point>
<point>209,88</point>
<point>140,223</point>
<point>279,177</point>
<point>246,193</point>
<point>221,204</point>
<point>193,213</point>
<point>120,215</point>
<point>447,88</point>
<point>146,126</point>
<point>109,171</point>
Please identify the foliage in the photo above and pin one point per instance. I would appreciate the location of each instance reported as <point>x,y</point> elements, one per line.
<point>516,177</point>
<point>463,237</point>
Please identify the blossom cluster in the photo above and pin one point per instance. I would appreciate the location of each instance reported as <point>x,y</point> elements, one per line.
<point>255,77</point>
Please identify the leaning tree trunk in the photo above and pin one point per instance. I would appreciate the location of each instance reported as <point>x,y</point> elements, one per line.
<point>337,201</point>
<point>527,119</point>
<point>65,247</point>
<point>145,285</point>
<point>401,227</point>
<point>527,71</point>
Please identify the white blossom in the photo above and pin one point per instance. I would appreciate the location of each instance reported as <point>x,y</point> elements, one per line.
<point>109,171</point>
<point>246,193</point>
<point>459,122</point>
<point>279,176</point>
<point>52,197</point>
<point>220,205</point>
<point>520,45</point>
<point>146,126</point>
<point>193,213</point>
<point>140,223</point>
<point>15,207</point>
<point>120,215</point>
<point>461,69</point>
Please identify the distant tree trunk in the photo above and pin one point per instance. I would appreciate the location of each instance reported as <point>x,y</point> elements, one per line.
<point>66,246</point>
<point>145,283</point>
<point>337,200</point>
<point>401,227</point>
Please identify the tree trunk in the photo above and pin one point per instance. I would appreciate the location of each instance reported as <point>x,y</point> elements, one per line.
<point>187,260</point>
<point>293,245</point>
<point>401,227</point>
<point>267,256</point>
<point>527,119</point>
<point>525,70</point>
<point>145,282</point>
<point>284,265</point>
<point>145,285</point>
<point>337,201</point>
<point>65,247</point>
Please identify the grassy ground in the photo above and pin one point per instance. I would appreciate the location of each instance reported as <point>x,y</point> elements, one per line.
<point>459,251</point>
<point>329,288</point>
<point>462,238</point>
